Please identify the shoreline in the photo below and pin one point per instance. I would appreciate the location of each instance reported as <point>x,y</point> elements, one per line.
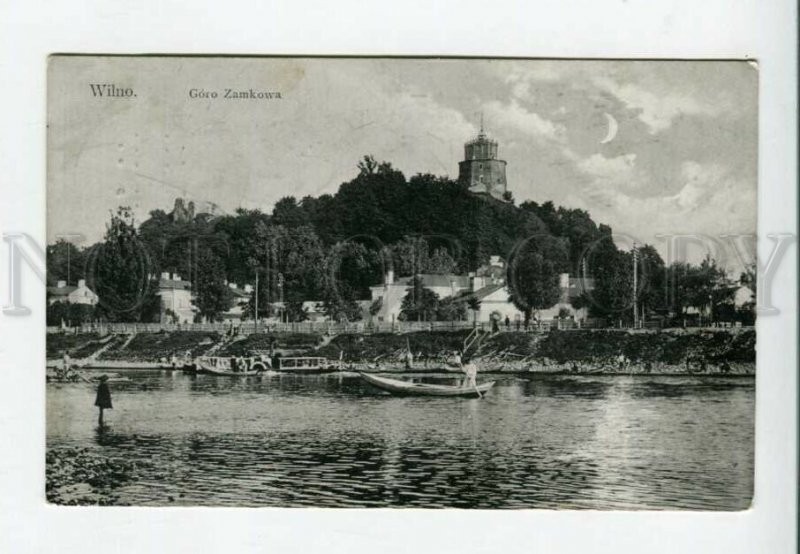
<point>487,368</point>
<point>590,352</point>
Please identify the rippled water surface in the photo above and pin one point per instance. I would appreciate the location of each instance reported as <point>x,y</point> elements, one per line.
<point>630,442</point>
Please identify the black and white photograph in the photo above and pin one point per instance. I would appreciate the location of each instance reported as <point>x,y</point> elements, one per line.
<point>401,282</point>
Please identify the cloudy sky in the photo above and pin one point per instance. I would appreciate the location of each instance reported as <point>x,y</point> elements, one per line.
<point>683,160</point>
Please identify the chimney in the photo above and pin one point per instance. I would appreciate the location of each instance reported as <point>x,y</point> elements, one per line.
<point>389,277</point>
<point>176,276</point>
<point>61,284</point>
<point>81,283</point>
<point>232,285</point>
<point>563,280</point>
<point>248,288</point>
<point>165,275</point>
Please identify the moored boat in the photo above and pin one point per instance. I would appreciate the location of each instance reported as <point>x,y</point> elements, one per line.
<point>303,364</point>
<point>231,366</point>
<point>396,386</point>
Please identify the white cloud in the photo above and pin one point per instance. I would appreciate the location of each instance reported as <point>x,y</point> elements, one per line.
<point>709,202</point>
<point>516,116</point>
<point>658,110</point>
<point>618,169</point>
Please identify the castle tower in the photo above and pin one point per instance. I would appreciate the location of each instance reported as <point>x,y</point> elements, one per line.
<point>481,171</point>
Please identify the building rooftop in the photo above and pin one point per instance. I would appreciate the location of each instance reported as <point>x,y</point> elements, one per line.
<point>437,280</point>
<point>176,284</point>
<point>61,291</point>
<point>483,292</point>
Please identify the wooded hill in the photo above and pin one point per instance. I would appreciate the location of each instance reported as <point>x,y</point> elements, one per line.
<point>331,248</point>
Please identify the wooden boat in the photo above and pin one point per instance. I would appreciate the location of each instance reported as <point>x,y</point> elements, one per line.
<point>73,376</point>
<point>396,386</point>
<point>303,364</point>
<point>231,366</point>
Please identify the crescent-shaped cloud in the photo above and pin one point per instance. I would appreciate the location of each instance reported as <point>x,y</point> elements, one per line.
<point>613,127</point>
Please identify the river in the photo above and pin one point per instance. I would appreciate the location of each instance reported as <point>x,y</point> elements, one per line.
<point>542,441</point>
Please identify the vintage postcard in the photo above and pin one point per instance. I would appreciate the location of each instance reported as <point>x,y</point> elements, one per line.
<point>401,282</point>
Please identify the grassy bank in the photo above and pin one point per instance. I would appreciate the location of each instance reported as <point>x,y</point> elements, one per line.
<point>390,346</point>
<point>72,344</point>
<point>671,351</point>
<point>145,347</point>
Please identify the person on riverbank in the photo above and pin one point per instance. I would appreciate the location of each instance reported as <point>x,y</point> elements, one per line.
<point>103,398</point>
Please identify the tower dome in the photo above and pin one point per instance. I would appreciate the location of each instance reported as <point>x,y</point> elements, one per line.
<point>481,171</point>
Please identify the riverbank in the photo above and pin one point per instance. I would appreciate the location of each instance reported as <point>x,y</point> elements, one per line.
<point>672,351</point>
<point>668,352</point>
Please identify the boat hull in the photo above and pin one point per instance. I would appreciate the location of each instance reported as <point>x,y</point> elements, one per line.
<point>222,366</point>
<point>396,386</point>
<point>232,373</point>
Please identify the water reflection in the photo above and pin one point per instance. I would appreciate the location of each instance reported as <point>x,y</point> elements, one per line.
<point>332,440</point>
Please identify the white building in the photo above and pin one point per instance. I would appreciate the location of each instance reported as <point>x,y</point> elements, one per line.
<point>71,295</point>
<point>391,293</point>
<point>487,285</point>
<point>743,295</point>
<point>495,300</point>
<point>241,296</point>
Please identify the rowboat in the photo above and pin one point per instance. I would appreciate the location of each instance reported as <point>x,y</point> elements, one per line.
<point>396,386</point>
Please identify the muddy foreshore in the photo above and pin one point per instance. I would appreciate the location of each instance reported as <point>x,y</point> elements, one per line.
<point>84,477</point>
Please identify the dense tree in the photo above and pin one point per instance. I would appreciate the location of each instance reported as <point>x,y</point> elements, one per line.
<point>420,303</point>
<point>119,271</point>
<point>748,278</point>
<point>288,213</point>
<point>413,255</point>
<point>213,296</point>
<point>651,293</point>
<point>474,304</point>
<point>57,314</point>
<point>295,312</point>
<point>341,308</point>
<point>451,309</point>
<point>332,248</point>
<point>69,314</point>
<point>704,287</point>
<point>238,233</point>
<point>533,273</point>
<point>65,262</point>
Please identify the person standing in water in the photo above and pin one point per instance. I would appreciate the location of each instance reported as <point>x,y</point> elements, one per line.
<point>103,399</point>
<point>470,373</point>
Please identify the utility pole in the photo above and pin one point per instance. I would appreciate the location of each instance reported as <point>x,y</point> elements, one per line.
<point>635,286</point>
<point>66,243</point>
<point>256,314</point>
